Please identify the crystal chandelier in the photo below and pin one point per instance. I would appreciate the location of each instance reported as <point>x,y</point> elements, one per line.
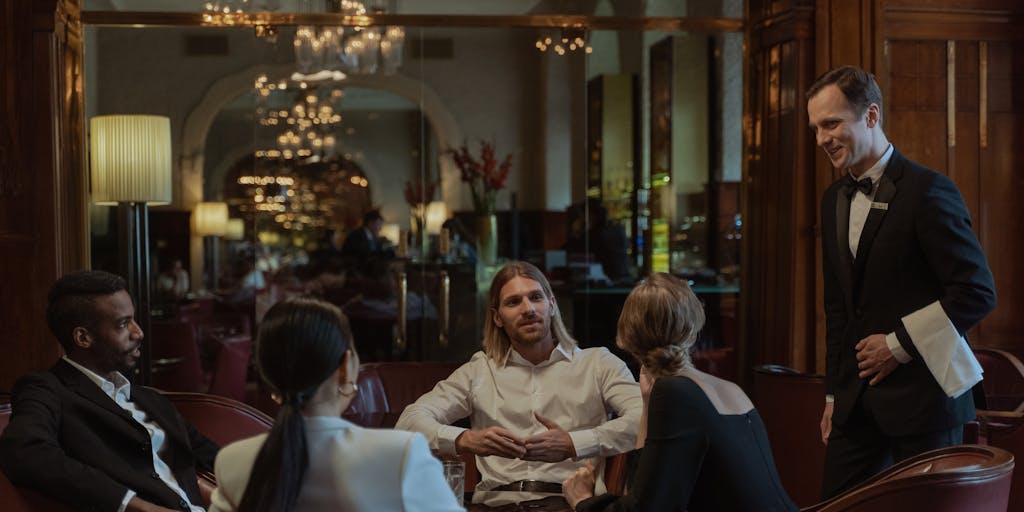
<point>331,52</point>
<point>305,130</point>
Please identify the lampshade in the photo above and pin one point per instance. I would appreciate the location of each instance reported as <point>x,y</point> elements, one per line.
<point>437,213</point>
<point>210,219</point>
<point>391,232</point>
<point>235,230</point>
<point>131,159</point>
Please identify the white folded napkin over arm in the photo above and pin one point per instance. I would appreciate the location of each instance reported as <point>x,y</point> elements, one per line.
<point>945,353</point>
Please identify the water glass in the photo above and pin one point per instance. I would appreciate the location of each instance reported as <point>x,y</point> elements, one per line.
<point>455,475</point>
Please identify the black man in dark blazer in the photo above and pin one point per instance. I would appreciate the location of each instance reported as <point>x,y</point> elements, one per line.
<point>81,432</point>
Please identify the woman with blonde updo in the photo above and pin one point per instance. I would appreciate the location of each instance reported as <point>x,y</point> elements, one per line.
<point>701,444</point>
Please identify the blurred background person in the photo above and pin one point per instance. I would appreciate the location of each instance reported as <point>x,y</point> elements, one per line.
<point>172,284</point>
<point>312,460</point>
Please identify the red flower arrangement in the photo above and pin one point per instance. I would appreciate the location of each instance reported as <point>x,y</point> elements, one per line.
<point>418,194</point>
<point>485,175</point>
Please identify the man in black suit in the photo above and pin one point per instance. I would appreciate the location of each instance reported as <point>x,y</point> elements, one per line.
<point>364,250</point>
<point>904,279</point>
<point>81,433</point>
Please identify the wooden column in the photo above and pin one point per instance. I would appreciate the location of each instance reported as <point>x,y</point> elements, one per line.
<point>779,188</point>
<point>43,216</point>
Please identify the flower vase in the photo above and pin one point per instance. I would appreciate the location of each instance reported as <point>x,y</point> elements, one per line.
<point>418,248</point>
<point>487,238</point>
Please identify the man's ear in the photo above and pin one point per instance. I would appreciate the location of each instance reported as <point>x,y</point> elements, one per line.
<point>873,116</point>
<point>81,337</point>
<point>496,318</point>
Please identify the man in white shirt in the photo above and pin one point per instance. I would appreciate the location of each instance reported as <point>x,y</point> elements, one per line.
<point>81,433</point>
<point>904,279</point>
<point>538,405</point>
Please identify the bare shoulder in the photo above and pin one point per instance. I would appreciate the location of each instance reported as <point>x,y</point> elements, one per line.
<point>726,396</point>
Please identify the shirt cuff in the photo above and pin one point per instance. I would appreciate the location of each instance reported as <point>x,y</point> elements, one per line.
<point>896,348</point>
<point>584,442</point>
<point>124,501</point>
<point>830,399</point>
<point>446,436</point>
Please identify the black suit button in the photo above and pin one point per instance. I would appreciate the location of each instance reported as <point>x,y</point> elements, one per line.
<point>154,475</point>
<point>182,505</point>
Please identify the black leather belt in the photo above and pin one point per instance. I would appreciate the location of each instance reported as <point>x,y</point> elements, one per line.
<point>530,486</point>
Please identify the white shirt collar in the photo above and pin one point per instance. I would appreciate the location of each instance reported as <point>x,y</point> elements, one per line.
<point>875,172</point>
<point>565,348</point>
<point>119,385</point>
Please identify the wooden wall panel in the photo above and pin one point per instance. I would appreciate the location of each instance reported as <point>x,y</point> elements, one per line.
<point>953,109</point>
<point>43,218</point>
<point>1000,225</point>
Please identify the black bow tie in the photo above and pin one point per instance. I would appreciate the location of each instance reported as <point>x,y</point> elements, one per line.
<point>853,185</point>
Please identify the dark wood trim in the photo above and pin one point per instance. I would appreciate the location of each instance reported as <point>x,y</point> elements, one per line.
<point>931,23</point>
<point>688,24</point>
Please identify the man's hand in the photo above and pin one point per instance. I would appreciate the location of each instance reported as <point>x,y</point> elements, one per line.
<point>826,422</point>
<point>138,504</point>
<point>580,485</point>
<point>875,358</point>
<point>490,441</point>
<point>554,445</point>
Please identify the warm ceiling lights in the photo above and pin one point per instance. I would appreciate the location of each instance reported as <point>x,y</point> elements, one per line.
<point>572,39</point>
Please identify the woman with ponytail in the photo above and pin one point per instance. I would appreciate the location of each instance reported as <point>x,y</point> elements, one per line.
<point>701,445</point>
<point>312,460</point>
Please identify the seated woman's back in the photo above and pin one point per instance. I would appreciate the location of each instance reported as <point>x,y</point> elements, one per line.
<point>350,468</point>
<point>723,459</point>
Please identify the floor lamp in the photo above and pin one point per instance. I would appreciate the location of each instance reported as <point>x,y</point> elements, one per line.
<point>131,167</point>
<point>210,220</point>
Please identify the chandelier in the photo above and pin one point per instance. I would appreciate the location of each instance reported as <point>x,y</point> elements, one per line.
<point>303,130</point>
<point>571,39</point>
<point>331,52</point>
<point>328,53</point>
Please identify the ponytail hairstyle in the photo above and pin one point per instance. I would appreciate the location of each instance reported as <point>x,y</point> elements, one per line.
<point>301,343</point>
<point>659,323</point>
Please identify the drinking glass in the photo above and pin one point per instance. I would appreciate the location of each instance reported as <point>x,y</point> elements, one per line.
<point>455,474</point>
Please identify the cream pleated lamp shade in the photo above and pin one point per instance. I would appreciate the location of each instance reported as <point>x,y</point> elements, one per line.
<point>131,159</point>
<point>210,219</point>
<point>235,230</point>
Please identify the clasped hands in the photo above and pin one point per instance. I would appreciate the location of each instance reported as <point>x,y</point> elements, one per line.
<point>874,359</point>
<point>552,445</point>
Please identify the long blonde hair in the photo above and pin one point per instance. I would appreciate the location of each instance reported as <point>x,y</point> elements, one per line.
<point>659,323</point>
<point>496,340</point>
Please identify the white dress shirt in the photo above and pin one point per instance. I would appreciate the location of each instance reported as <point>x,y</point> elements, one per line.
<point>120,392</point>
<point>575,388</point>
<point>860,204</point>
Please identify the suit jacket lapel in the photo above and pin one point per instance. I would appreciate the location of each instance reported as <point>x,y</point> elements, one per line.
<point>76,380</point>
<point>843,243</point>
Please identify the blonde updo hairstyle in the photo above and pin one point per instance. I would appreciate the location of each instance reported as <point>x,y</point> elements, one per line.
<point>659,324</point>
